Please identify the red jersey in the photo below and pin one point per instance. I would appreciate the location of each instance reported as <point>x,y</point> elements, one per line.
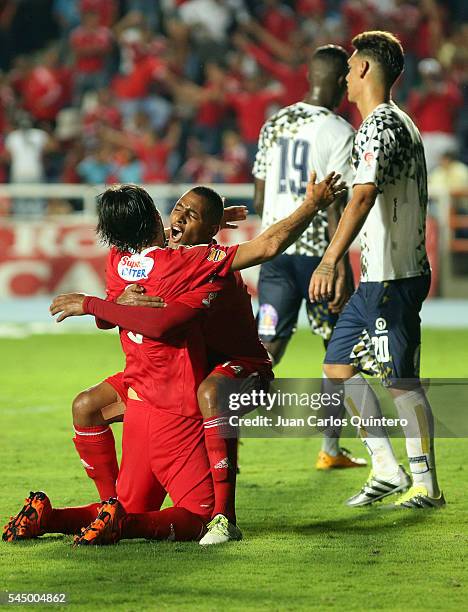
<point>90,47</point>
<point>167,374</point>
<point>230,328</point>
<point>251,109</point>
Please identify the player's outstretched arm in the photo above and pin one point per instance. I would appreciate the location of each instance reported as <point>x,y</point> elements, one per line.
<point>351,222</point>
<point>155,323</point>
<point>282,234</point>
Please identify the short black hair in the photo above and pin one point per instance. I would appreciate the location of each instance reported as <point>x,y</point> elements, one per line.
<point>214,202</point>
<point>383,48</point>
<point>334,55</point>
<point>128,218</point>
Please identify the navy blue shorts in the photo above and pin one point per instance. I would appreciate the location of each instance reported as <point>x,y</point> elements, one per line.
<point>283,284</point>
<point>389,313</point>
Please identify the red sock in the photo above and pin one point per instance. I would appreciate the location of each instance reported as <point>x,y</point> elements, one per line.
<point>176,524</point>
<point>222,455</point>
<point>96,448</point>
<point>71,520</point>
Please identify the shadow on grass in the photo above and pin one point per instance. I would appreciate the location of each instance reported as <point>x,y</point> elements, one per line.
<point>385,519</point>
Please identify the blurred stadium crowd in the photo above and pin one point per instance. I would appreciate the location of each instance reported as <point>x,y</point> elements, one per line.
<point>97,91</point>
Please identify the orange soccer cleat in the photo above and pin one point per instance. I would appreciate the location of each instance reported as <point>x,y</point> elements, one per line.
<point>106,527</point>
<point>30,520</point>
<point>344,459</point>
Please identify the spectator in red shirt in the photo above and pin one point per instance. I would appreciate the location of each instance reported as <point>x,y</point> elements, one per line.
<point>292,75</point>
<point>91,44</point>
<point>434,109</point>
<point>46,90</point>
<point>234,163</point>
<point>106,9</point>
<point>150,149</point>
<point>104,113</point>
<point>278,19</point>
<point>250,105</point>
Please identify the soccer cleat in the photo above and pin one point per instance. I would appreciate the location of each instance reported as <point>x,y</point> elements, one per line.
<point>220,530</point>
<point>29,522</point>
<point>344,459</point>
<point>106,527</point>
<point>376,489</point>
<point>418,497</point>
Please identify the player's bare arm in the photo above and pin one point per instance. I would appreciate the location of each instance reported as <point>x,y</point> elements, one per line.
<point>344,285</point>
<point>279,236</point>
<point>351,222</point>
<point>259,196</point>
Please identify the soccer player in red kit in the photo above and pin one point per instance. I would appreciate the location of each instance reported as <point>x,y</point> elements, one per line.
<point>160,427</point>
<point>238,352</point>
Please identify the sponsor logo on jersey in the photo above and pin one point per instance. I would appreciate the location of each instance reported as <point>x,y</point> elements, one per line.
<point>369,158</point>
<point>267,320</point>
<point>135,267</point>
<point>216,254</point>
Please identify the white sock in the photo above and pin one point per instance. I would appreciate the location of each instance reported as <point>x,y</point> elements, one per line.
<point>360,400</point>
<point>331,435</point>
<point>419,433</point>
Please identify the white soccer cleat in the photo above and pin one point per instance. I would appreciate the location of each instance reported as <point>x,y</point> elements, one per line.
<point>220,530</point>
<point>418,497</point>
<point>376,488</point>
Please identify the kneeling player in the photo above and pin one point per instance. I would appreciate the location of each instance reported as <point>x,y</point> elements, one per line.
<point>237,348</point>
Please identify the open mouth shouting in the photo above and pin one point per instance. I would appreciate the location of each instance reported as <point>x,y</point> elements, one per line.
<point>176,233</point>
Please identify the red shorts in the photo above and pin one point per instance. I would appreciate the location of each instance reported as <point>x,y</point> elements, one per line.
<point>163,452</point>
<point>117,382</point>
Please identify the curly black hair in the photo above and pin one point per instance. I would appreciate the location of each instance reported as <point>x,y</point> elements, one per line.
<point>128,218</point>
<point>385,49</point>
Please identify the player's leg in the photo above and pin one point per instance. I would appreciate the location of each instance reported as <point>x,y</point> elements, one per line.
<point>114,524</point>
<point>174,459</point>
<point>221,449</point>
<point>322,323</point>
<point>387,476</point>
<point>94,440</point>
<point>279,302</point>
<point>180,462</point>
<point>37,517</point>
<point>138,490</point>
<point>397,335</point>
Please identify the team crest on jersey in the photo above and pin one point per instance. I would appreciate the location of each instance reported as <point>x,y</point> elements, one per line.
<point>135,267</point>
<point>216,254</point>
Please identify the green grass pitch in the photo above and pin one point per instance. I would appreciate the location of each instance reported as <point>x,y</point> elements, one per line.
<point>303,549</point>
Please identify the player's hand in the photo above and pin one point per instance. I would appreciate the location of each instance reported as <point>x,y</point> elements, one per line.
<point>134,295</point>
<point>232,214</point>
<point>322,282</point>
<point>341,294</point>
<point>68,305</point>
<point>321,195</point>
